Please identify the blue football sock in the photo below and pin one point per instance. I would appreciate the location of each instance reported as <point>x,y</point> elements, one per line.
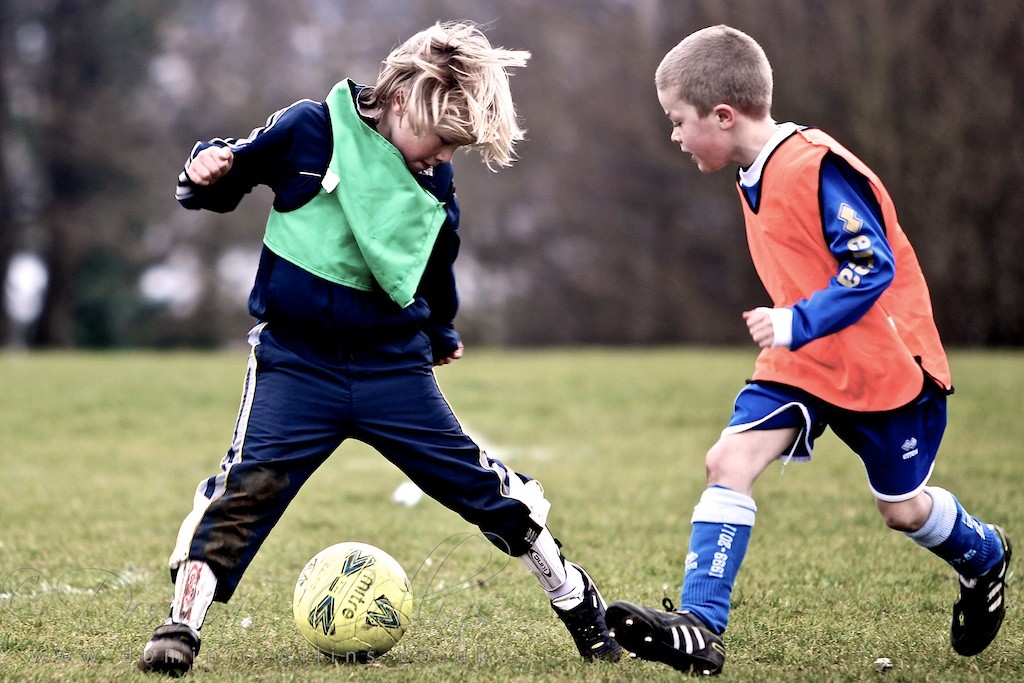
<point>722,521</point>
<point>968,545</point>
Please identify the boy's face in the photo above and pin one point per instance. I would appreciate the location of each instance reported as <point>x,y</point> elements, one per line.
<point>705,139</point>
<point>420,152</point>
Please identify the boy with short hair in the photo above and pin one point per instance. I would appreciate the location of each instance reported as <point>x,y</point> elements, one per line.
<point>849,343</point>
<point>355,297</point>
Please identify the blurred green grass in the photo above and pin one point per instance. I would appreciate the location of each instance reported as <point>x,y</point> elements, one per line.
<point>100,455</point>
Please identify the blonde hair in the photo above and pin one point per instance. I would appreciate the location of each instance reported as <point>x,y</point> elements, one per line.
<point>718,65</point>
<point>455,85</point>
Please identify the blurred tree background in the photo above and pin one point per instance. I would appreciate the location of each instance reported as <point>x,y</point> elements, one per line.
<point>603,232</point>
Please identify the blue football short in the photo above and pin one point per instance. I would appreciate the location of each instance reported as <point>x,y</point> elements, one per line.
<point>897,447</point>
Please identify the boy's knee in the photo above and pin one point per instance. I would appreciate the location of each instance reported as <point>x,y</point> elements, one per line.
<point>716,460</point>
<point>906,515</point>
<point>728,466</point>
<point>521,513</point>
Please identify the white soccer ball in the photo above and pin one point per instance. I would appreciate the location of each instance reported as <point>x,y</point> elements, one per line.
<point>352,601</point>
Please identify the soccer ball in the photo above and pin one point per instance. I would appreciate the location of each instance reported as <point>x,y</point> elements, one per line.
<point>352,601</point>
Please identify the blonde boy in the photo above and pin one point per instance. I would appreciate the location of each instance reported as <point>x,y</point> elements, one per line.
<point>355,300</point>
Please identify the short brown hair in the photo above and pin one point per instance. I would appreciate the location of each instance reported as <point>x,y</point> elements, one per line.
<point>718,65</point>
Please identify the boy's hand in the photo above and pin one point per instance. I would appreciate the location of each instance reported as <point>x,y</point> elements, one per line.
<point>770,327</point>
<point>453,356</point>
<point>210,165</point>
<point>759,324</point>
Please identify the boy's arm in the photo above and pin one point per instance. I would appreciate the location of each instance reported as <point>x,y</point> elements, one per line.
<point>207,181</point>
<point>855,230</point>
<point>219,172</point>
<point>437,285</point>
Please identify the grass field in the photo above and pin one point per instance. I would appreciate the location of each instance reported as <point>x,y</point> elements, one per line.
<point>101,454</point>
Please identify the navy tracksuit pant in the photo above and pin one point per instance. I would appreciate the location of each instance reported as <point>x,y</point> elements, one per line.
<point>303,397</point>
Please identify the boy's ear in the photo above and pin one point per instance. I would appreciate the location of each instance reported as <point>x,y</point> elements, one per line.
<point>397,102</point>
<point>724,115</point>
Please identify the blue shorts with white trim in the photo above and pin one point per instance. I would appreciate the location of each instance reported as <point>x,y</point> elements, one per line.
<point>897,447</point>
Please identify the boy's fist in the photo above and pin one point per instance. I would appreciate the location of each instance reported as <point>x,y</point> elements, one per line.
<point>210,165</point>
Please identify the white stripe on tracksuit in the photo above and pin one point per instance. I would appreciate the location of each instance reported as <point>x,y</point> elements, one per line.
<point>202,500</point>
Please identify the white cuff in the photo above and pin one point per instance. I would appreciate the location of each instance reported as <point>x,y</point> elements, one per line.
<point>782,326</point>
<point>719,505</point>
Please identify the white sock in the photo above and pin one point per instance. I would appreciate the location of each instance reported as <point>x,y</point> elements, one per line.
<point>194,588</point>
<point>941,520</point>
<point>570,593</point>
<point>561,582</point>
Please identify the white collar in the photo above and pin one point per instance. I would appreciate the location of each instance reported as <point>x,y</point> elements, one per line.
<point>751,175</point>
